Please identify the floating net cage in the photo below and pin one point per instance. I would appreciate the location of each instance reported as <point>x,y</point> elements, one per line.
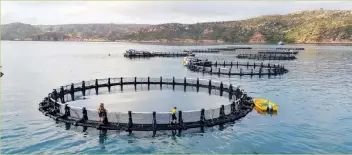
<point>56,107</point>
<point>236,68</point>
<point>266,56</point>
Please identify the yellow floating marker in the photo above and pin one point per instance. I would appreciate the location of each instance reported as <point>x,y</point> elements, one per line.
<point>264,105</point>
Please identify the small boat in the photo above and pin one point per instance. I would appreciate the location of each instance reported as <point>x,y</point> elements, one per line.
<point>264,112</point>
<point>281,43</point>
<point>265,105</point>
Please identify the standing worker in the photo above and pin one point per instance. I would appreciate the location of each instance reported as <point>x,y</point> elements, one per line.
<point>174,118</point>
<point>101,111</point>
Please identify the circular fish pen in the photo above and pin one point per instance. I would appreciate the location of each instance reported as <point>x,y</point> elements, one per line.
<point>277,52</point>
<point>201,51</point>
<point>56,107</point>
<point>266,56</point>
<point>236,68</point>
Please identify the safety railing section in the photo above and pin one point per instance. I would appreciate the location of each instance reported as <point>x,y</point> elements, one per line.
<point>216,87</point>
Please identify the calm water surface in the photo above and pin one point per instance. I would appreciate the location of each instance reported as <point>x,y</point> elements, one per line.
<point>315,100</point>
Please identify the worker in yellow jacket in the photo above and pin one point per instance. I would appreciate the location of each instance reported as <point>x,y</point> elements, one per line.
<point>174,118</point>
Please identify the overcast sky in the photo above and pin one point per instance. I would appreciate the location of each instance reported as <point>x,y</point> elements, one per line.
<point>153,12</point>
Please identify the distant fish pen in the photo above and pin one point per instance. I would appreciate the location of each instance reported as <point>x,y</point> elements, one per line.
<point>230,48</point>
<point>56,107</point>
<point>158,54</point>
<point>266,56</point>
<point>232,68</point>
<point>277,52</point>
<point>290,48</point>
<point>201,51</point>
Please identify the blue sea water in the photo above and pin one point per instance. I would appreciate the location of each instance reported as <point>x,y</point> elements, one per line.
<point>314,98</point>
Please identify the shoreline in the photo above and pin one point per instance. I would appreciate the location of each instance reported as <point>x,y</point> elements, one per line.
<point>184,43</point>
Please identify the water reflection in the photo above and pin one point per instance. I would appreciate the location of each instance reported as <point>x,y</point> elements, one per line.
<point>102,138</point>
<point>67,126</point>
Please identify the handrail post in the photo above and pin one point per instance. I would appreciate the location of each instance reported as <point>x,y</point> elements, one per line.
<point>221,88</point>
<point>96,86</point>
<point>85,115</point>
<point>184,82</point>
<point>202,118</point>
<point>222,111</point>
<point>148,82</point>
<point>260,71</point>
<point>84,88</point>
<point>62,94</point>
<point>161,81</point>
<point>230,91</point>
<point>121,81</point>
<point>72,92</point>
<point>173,83</point>
<point>154,121</point>
<point>109,84</point>
<point>130,122</point>
<point>197,84</point>
<point>233,107</point>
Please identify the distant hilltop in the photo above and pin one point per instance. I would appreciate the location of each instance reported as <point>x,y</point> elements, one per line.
<point>311,26</point>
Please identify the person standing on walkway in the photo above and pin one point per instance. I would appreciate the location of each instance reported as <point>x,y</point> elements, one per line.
<point>101,111</point>
<point>174,118</point>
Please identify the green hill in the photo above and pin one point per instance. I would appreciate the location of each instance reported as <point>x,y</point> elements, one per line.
<point>317,26</point>
<point>110,32</point>
<point>17,30</point>
<point>313,26</point>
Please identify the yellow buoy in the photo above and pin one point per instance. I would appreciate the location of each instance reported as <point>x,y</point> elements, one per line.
<point>265,105</point>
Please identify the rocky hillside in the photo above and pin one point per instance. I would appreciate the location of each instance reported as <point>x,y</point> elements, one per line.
<point>318,26</point>
<point>109,32</point>
<point>17,30</point>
